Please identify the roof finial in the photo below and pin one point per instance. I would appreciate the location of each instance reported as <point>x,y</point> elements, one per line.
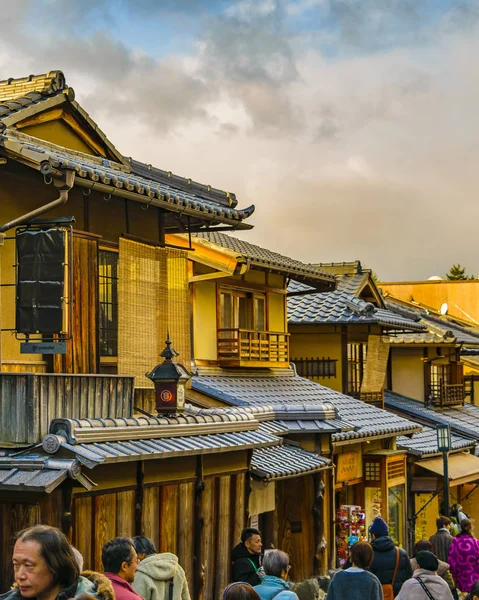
<point>169,352</point>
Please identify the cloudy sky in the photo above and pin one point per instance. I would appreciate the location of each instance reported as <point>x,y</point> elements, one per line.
<point>352,125</point>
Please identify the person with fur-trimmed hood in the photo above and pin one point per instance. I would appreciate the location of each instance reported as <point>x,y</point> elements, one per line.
<point>45,568</point>
<point>158,576</point>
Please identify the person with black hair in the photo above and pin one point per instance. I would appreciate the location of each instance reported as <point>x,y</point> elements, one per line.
<point>246,557</point>
<point>46,569</point>
<point>441,540</point>
<point>120,563</point>
<point>159,576</point>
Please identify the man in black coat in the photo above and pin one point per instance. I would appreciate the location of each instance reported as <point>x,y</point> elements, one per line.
<point>246,557</point>
<point>384,561</point>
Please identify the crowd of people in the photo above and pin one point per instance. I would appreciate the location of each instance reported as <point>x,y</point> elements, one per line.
<point>47,567</point>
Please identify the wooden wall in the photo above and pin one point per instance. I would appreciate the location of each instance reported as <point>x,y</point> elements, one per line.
<point>15,516</point>
<point>295,524</point>
<point>179,516</point>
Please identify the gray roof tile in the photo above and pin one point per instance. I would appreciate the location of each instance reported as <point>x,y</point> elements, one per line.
<point>116,175</point>
<point>270,389</point>
<point>463,420</point>
<point>124,451</point>
<point>425,442</point>
<point>342,307</point>
<point>283,462</point>
<point>265,258</point>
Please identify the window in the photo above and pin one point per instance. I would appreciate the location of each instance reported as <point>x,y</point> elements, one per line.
<point>356,361</point>
<point>314,368</point>
<point>242,310</point>
<point>108,302</point>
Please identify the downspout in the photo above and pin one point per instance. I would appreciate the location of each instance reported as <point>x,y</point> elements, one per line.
<point>64,185</point>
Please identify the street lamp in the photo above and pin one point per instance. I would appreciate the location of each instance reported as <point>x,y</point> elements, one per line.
<point>444,446</point>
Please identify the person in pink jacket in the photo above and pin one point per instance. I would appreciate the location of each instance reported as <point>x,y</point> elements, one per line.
<point>464,558</point>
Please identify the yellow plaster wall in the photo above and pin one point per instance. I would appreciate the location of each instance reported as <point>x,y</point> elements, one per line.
<point>462,297</point>
<point>58,132</point>
<point>408,372</point>
<point>276,312</point>
<point>311,343</point>
<point>276,281</point>
<point>255,277</point>
<point>204,320</point>
<point>471,504</point>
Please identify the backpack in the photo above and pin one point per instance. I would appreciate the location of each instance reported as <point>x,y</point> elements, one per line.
<point>388,588</point>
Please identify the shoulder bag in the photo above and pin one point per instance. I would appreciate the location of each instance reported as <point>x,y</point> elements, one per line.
<point>388,588</point>
<point>424,587</point>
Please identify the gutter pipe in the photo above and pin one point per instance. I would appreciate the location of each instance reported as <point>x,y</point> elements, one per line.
<point>64,186</point>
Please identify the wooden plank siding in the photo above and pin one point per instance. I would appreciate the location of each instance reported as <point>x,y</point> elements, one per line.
<point>82,349</point>
<point>15,516</point>
<point>31,400</point>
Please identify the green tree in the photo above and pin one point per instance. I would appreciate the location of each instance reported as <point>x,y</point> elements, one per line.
<point>457,272</point>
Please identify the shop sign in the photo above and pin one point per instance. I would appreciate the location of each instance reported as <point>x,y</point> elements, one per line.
<point>348,466</point>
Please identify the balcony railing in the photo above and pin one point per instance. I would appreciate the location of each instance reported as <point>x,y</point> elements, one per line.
<point>447,394</point>
<point>246,347</point>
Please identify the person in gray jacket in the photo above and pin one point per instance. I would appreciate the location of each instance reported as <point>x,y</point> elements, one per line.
<point>425,583</point>
<point>158,576</point>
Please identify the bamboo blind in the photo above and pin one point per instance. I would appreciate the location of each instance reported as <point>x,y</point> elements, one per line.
<point>376,364</point>
<point>153,298</point>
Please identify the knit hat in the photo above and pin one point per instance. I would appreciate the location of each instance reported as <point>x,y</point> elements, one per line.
<point>379,528</point>
<point>426,560</point>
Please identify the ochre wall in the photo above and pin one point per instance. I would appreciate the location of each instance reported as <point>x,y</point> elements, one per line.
<point>311,341</point>
<point>408,372</point>
<point>204,320</point>
<point>58,132</point>
<point>462,297</point>
<point>276,312</point>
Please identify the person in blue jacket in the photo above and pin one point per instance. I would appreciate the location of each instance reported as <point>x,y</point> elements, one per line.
<point>274,585</point>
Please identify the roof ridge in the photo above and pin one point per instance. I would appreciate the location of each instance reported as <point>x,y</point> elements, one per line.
<point>47,83</point>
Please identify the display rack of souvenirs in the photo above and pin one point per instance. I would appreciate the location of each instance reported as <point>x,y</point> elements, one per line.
<point>350,528</point>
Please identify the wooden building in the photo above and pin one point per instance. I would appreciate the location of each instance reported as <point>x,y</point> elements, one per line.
<point>75,452</point>
<point>242,355</point>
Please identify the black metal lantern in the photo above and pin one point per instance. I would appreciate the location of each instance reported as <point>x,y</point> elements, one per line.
<point>444,445</point>
<point>170,379</point>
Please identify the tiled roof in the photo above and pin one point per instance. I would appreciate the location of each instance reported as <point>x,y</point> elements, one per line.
<point>342,268</point>
<point>342,307</point>
<point>425,442</point>
<point>144,449</point>
<point>283,462</point>
<point>440,329</point>
<point>261,257</point>
<point>464,420</point>
<point>42,480</point>
<point>353,283</point>
<point>47,83</point>
<point>29,471</point>
<point>136,428</point>
<point>91,170</point>
<point>270,389</point>
<point>206,192</point>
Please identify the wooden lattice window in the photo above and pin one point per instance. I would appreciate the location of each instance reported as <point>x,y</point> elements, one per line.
<point>108,302</point>
<point>372,470</point>
<point>316,367</point>
<point>357,353</point>
<point>396,469</point>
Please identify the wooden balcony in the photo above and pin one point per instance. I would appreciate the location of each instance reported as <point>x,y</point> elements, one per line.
<point>447,394</point>
<point>29,401</point>
<point>249,348</point>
